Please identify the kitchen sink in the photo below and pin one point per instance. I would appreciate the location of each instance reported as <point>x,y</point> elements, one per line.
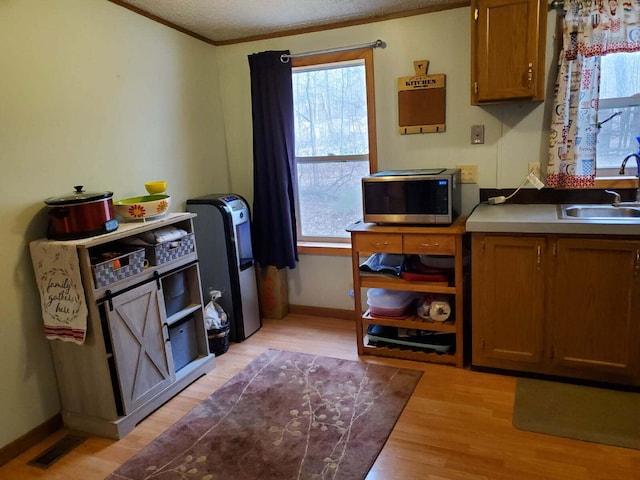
<point>600,212</point>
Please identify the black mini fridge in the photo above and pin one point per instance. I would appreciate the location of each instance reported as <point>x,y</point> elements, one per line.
<point>222,230</point>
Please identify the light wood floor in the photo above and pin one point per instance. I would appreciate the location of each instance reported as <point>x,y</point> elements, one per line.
<point>457,424</point>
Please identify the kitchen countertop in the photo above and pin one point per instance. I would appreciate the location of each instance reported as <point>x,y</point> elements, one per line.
<point>542,218</point>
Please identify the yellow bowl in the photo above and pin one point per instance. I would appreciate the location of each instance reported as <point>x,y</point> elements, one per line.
<point>155,188</point>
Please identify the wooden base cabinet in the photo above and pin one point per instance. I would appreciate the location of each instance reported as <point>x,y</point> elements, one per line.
<point>366,239</point>
<point>508,276</point>
<point>595,309</point>
<point>126,367</point>
<point>557,305</point>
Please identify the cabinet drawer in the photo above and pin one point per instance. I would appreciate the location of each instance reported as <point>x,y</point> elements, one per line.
<point>430,244</point>
<point>379,243</point>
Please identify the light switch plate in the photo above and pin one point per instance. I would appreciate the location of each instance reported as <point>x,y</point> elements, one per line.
<point>477,134</point>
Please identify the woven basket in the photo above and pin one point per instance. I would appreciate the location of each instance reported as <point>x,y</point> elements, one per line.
<point>167,251</point>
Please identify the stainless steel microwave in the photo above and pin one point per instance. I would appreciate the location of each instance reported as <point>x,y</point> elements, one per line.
<point>420,197</point>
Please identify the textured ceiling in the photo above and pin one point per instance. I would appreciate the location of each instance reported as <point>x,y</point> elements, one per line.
<point>228,21</point>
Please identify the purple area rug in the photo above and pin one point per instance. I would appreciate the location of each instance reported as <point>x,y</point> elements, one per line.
<point>285,416</point>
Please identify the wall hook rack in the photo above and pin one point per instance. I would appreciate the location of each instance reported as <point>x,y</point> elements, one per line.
<point>421,101</point>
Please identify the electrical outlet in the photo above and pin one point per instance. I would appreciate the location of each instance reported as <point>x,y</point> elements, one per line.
<point>468,173</point>
<point>477,134</point>
<point>535,168</point>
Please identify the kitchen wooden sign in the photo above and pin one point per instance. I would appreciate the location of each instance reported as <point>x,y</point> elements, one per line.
<point>421,101</point>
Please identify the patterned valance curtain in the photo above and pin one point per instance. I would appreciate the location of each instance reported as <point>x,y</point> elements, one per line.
<point>592,28</point>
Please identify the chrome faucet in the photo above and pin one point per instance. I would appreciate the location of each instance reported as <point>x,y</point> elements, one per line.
<point>616,197</point>
<point>624,164</point>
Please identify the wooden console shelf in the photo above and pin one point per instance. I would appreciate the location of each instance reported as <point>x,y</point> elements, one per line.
<point>145,337</point>
<point>368,238</point>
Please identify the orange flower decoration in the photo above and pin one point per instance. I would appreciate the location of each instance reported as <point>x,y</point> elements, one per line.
<point>137,211</point>
<point>162,206</point>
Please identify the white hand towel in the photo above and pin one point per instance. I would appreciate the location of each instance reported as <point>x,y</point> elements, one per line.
<point>57,271</point>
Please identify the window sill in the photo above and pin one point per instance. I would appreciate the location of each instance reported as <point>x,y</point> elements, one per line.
<point>626,181</point>
<point>325,248</point>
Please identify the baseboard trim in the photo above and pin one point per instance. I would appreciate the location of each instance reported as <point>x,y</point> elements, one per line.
<point>29,439</point>
<point>322,311</point>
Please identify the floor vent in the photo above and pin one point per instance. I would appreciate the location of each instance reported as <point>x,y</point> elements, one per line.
<point>56,451</point>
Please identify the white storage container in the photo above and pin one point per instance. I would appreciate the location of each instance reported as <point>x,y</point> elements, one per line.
<point>389,303</point>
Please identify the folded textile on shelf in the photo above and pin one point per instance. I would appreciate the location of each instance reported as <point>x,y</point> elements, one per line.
<point>57,271</point>
<point>168,234</point>
<point>384,336</point>
<point>414,269</point>
<point>385,263</point>
<point>159,235</point>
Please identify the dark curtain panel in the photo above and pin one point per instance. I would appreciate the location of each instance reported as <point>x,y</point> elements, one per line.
<point>274,170</point>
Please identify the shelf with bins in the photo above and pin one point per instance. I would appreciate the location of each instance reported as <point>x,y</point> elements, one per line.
<point>146,338</point>
<point>413,322</point>
<point>183,313</point>
<point>410,240</point>
<point>114,262</point>
<point>381,281</point>
<point>181,293</point>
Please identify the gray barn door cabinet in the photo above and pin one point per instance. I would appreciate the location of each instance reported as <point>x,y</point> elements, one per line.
<point>146,337</point>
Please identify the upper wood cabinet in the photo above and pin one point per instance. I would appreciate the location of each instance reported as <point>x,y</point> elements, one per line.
<point>507,50</point>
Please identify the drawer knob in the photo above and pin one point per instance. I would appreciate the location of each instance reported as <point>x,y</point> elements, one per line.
<point>380,244</point>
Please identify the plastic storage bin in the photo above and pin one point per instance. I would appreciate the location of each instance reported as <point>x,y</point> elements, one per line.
<point>389,303</point>
<point>176,293</point>
<point>184,345</point>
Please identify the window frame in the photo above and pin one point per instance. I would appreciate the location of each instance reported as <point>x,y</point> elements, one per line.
<point>326,245</point>
<point>608,177</point>
<point>611,103</point>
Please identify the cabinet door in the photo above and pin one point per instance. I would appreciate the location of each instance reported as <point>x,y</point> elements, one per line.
<point>507,50</point>
<point>595,327</point>
<point>143,358</point>
<point>507,301</point>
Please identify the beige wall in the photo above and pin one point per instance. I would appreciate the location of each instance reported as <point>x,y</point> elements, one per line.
<point>92,94</point>
<point>515,133</point>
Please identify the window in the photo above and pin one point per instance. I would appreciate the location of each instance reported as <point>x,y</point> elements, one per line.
<point>334,141</point>
<point>619,96</point>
